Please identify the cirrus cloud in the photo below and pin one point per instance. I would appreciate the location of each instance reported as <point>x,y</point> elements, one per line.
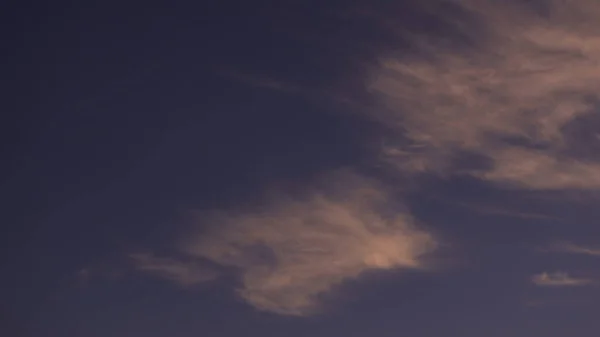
<point>572,248</point>
<point>509,97</point>
<point>559,279</point>
<point>185,273</point>
<point>294,250</point>
<point>527,76</point>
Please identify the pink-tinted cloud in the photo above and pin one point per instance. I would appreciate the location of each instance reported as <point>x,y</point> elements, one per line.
<point>294,250</point>
<point>509,96</point>
<point>291,250</point>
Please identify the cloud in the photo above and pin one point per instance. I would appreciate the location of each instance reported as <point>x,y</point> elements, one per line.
<point>516,96</point>
<point>183,273</point>
<point>571,248</point>
<point>559,279</point>
<point>527,77</point>
<point>491,209</point>
<point>294,250</point>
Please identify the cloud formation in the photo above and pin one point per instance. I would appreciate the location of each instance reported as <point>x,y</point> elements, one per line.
<point>528,76</point>
<point>572,248</point>
<point>559,279</point>
<point>510,108</point>
<point>291,251</point>
<point>294,250</point>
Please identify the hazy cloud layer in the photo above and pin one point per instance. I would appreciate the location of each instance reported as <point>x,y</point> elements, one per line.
<point>526,78</point>
<point>559,279</point>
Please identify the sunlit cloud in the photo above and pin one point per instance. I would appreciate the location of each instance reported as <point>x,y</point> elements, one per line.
<point>559,279</point>
<point>527,77</point>
<point>516,96</point>
<point>292,251</point>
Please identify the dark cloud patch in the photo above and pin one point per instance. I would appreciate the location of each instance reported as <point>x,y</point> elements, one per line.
<point>582,137</point>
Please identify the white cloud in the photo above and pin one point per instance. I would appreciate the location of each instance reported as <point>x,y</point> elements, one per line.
<point>508,97</point>
<point>559,279</point>
<point>294,250</point>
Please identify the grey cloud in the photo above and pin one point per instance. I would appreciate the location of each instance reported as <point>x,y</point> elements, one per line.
<point>185,273</point>
<point>503,212</point>
<point>571,248</point>
<point>559,279</point>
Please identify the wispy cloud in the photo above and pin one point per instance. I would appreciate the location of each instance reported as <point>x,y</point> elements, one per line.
<point>572,248</point>
<point>508,97</point>
<point>526,78</point>
<point>292,250</point>
<point>491,209</point>
<point>559,279</point>
<point>185,273</point>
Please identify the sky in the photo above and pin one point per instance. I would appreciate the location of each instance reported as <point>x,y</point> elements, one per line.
<point>303,168</point>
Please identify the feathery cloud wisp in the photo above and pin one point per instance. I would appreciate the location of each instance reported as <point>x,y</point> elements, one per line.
<point>293,251</point>
<point>559,279</point>
<point>290,252</point>
<point>509,97</point>
<point>571,248</point>
<point>183,273</point>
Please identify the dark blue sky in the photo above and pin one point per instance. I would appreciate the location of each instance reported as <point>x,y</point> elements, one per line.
<point>173,167</point>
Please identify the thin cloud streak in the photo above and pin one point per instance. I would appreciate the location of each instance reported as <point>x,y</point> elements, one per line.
<point>559,279</point>
<point>571,248</point>
<point>183,273</point>
<point>498,211</point>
